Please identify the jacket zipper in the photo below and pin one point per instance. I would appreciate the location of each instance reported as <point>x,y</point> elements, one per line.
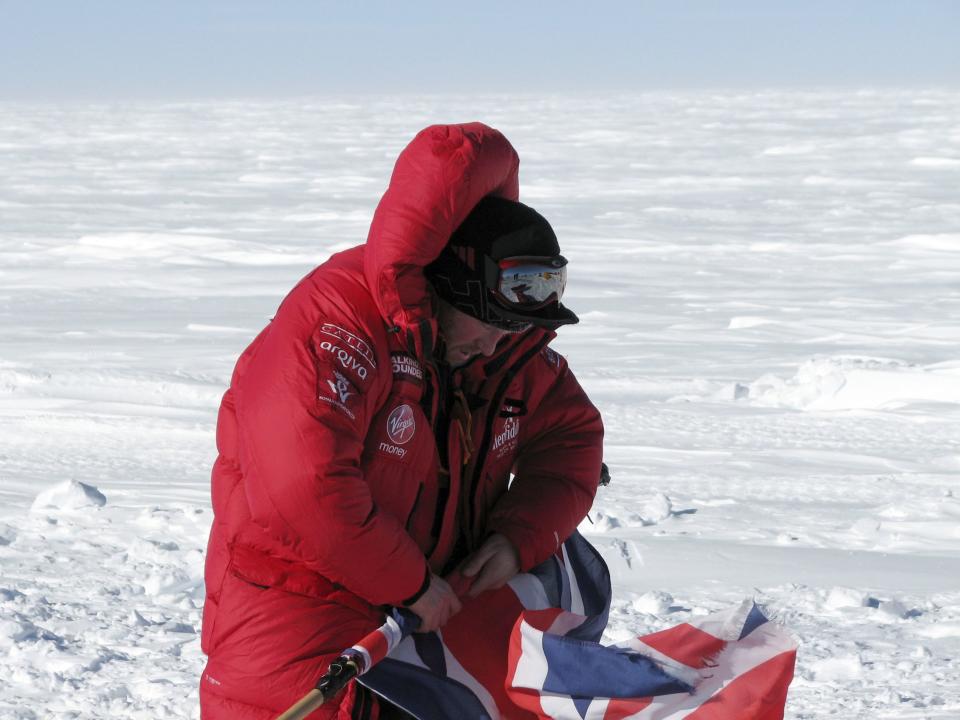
<point>498,396</point>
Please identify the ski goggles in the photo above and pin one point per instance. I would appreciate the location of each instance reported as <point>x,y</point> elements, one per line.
<point>526,284</point>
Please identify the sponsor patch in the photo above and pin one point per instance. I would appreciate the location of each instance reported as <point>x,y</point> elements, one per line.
<point>401,425</point>
<point>505,441</point>
<point>347,340</point>
<point>392,449</point>
<point>340,391</point>
<point>341,387</point>
<point>345,358</point>
<point>406,367</point>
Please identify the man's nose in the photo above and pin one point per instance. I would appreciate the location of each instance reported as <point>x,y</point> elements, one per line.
<point>488,344</point>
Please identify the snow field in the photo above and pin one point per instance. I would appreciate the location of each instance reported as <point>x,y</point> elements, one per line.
<point>769,286</point>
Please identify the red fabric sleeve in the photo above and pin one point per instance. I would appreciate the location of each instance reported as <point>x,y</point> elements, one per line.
<point>302,420</point>
<point>557,473</point>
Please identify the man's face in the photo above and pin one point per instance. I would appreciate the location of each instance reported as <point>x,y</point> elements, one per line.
<point>465,336</point>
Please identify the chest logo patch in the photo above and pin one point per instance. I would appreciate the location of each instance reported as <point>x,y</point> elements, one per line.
<point>511,428</point>
<point>401,425</point>
<point>340,393</point>
<point>341,387</point>
<point>506,440</point>
<point>406,368</point>
<point>349,341</point>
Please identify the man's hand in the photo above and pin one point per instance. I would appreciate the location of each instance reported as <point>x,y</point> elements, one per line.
<point>437,605</point>
<point>494,564</point>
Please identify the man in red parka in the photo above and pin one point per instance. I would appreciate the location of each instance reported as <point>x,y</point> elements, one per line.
<point>370,431</point>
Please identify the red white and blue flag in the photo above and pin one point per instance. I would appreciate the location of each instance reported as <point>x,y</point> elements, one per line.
<point>531,651</point>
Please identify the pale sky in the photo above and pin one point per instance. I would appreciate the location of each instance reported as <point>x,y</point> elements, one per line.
<point>108,49</point>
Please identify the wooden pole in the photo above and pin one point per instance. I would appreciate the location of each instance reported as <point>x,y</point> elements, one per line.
<point>306,705</point>
<point>341,671</point>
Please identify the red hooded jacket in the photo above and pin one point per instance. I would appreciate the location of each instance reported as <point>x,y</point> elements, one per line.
<point>331,490</point>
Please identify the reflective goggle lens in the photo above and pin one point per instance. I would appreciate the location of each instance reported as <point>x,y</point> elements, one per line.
<point>528,282</point>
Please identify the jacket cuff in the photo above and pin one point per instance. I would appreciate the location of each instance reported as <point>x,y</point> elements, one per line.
<point>424,586</point>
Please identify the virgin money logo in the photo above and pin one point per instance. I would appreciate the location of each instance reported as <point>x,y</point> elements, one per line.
<point>401,425</point>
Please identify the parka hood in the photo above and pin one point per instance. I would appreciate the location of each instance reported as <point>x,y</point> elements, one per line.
<point>437,180</point>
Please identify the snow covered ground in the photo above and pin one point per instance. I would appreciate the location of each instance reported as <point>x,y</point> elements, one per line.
<point>770,291</point>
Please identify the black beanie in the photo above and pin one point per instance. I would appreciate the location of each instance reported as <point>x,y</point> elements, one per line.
<point>498,229</point>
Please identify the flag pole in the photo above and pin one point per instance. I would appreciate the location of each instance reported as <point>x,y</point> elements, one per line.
<point>341,671</point>
<point>355,661</point>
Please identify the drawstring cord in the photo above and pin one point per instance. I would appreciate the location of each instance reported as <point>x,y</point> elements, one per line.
<point>465,426</point>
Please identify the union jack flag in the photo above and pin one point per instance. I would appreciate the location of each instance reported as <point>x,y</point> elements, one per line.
<point>531,651</point>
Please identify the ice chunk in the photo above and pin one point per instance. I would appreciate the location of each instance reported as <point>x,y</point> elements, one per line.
<point>841,597</point>
<point>897,609</point>
<point>655,509</point>
<point>16,630</point>
<point>69,495</point>
<point>653,602</point>
<point>603,522</point>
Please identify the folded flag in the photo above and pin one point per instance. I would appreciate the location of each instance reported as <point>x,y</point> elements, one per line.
<point>531,651</point>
